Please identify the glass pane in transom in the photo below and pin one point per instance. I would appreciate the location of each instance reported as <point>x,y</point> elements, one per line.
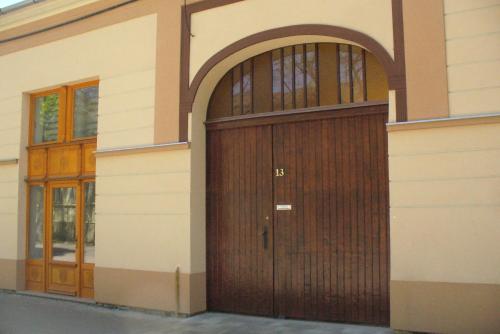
<point>46,118</point>
<point>85,112</point>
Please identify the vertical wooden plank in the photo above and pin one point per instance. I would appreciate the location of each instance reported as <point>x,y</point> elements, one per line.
<point>320,219</point>
<point>375,222</point>
<point>325,144</point>
<point>300,215</point>
<point>332,140</point>
<point>268,204</point>
<point>339,154</point>
<point>239,247</point>
<point>384,219</point>
<point>258,224</point>
<point>280,255</point>
<point>360,252</point>
<point>368,177</point>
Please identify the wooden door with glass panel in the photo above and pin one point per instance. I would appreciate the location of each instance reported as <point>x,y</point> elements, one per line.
<point>61,190</point>
<point>63,234</point>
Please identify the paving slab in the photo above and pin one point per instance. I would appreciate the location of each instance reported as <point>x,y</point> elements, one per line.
<point>25,314</point>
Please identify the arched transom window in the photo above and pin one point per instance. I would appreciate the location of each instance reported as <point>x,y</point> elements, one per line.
<point>299,76</point>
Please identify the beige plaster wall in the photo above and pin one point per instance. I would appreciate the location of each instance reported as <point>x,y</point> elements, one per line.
<point>8,211</point>
<point>444,212</point>
<point>372,17</point>
<point>473,49</point>
<point>425,58</point>
<point>142,211</point>
<point>445,204</point>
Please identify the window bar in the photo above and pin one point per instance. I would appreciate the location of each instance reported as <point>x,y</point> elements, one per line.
<point>232,91</point>
<point>294,99</point>
<point>316,60</point>
<point>304,72</point>
<point>339,91</point>
<point>230,74</point>
<point>282,60</point>
<point>351,79</point>
<point>242,112</point>
<point>272,79</point>
<point>365,88</point>
<point>252,69</point>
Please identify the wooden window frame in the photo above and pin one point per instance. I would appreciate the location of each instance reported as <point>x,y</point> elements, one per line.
<point>49,182</point>
<point>71,108</point>
<point>61,117</point>
<point>65,117</point>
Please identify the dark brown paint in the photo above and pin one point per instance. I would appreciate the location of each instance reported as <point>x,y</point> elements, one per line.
<point>327,258</point>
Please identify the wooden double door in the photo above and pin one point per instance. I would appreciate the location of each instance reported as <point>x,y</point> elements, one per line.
<point>297,216</point>
<point>63,254</point>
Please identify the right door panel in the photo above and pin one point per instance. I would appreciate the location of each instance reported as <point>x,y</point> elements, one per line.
<point>331,248</point>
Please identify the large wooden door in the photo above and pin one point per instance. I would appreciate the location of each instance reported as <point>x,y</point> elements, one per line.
<point>322,180</point>
<point>240,240</point>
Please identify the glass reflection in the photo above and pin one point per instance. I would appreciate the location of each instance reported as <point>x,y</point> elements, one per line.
<point>46,118</point>
<point>247,87</point>
<point>311,77</point>
<point>64,224</point>
<point>89,222</point>
<point>344,72</point>
<point>288,69</point>
<point>300,73</point>
<point>85,112</point>
<point>357,74</point>
<point>237,90</point>
<point>35,249</point>
<point>277,79</point>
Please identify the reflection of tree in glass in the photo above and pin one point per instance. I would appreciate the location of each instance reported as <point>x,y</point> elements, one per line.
<point>47,113</point>
<point>357,74</point>
<point>36,222</point>
<point>63,215</point>
<point>288,77</point>
<point>89,214</point>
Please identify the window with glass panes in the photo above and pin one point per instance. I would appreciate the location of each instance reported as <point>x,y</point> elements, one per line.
<point>61,189</point>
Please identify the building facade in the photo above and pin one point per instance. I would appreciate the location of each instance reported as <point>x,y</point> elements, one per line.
<point>326,159</point>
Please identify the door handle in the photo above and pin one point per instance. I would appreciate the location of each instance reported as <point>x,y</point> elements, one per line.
<point>264,237</point>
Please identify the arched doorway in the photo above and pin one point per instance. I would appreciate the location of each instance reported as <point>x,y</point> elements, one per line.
<point>297,186</point>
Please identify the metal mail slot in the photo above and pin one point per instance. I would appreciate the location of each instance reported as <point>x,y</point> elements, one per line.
<point>282,207</point>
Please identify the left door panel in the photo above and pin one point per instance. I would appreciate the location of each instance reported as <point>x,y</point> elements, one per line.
<point>239,224</point>
<point>35,266</point>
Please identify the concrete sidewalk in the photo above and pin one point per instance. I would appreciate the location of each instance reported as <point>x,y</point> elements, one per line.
<point>21,314</point>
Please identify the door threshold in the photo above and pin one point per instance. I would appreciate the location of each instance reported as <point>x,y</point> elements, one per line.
<point>45,295</point>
